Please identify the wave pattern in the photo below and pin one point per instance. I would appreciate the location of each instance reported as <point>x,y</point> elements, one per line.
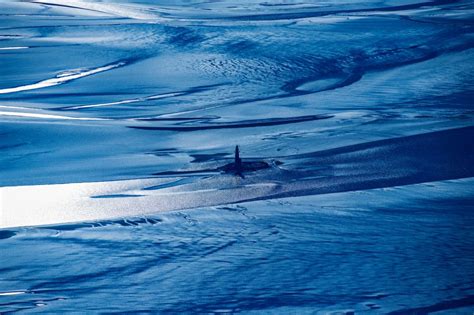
<point>354,120</point>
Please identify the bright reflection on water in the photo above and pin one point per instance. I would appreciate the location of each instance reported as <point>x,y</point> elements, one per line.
<point>118,121</point>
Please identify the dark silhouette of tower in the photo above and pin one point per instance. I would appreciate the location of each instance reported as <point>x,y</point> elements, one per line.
<point>237,162</point>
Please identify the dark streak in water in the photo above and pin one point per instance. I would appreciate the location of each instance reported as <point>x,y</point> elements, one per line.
<point>178,182</point>
<point>438,307</point>
<point>199,158</point>
<point>74,7</point>
<point>309,14</point>
<point>6,234</point>
<point>117,196</point>
<point>210,171</point>
<point>239,124</point>
<point>203,118</point>
<point>12,146</point>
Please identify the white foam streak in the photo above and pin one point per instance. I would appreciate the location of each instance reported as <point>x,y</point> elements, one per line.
<point>12,293</point>
<point>14,48</point>
<point>105,104</point>
<point>38,115</point>
<point>134,100</point>
<point>60,79</point>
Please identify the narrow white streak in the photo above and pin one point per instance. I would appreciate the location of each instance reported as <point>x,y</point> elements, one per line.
<point>412,12</point>
<point>59,79</point>
<point>107,8</point>
<point>134,100</point>
<point>14,48</point>
<point>11,36</point>
<point>12,293</point>
<point>105,104</point>
<point>45,116</point>
<point>159,96</point>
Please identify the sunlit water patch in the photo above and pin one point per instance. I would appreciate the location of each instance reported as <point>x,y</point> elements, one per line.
<point>119,189</point>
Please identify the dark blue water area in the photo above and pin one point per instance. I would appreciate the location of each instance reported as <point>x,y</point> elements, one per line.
<point>119,191</point>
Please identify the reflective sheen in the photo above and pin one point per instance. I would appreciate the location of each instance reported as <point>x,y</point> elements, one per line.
<point>354,193</point>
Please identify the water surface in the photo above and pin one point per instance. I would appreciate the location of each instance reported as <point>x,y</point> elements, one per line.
<point>118,119</point>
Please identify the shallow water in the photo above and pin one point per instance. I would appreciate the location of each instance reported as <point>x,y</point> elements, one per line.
<point>118,119</point>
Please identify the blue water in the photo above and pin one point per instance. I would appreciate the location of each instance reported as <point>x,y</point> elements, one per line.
<point>118,126</point>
